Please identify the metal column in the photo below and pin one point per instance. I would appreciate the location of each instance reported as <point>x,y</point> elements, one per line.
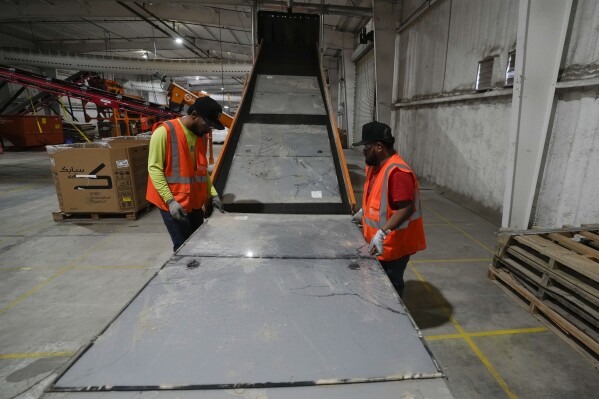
<point>542,27</point>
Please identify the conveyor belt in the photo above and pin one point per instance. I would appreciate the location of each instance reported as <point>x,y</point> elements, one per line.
<point>278,297</point>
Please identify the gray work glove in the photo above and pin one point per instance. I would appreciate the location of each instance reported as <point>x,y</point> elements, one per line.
<point>376,244</point>
<point>218,203</point>
<point>357,218</point>
<point>176,210</point>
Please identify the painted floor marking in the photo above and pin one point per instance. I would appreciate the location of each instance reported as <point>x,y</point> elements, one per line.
<point>59,273</point>
<point>487,333</point>
<point>451,260</point>
<point>494,373</point>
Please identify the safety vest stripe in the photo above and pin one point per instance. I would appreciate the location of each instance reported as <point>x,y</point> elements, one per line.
<point>186,180</point>
<point>416,213</point>
<point>176,173</point>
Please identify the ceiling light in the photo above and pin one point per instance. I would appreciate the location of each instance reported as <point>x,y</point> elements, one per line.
<point>222,88</point>
<point>178,40</point>
<point>203,92</point>
<point>226,107</point>
<point>197,78</point>
<point>144,55</point>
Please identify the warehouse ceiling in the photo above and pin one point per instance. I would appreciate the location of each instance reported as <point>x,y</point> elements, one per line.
<point>173,30</point>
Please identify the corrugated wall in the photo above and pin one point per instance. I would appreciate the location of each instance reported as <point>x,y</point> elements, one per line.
<point>582,48</point>
<point>461,146</point>
<point>422,54</point>
<point>569,182</point>
<point>569,189</point>
<point>456,145</point>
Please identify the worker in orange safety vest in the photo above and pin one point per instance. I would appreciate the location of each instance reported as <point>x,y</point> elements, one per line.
<point>391,213</point>
<point>178,180</point>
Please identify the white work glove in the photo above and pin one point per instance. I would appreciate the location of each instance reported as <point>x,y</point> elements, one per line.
<point>176,210</point>
<point>218,203</point>
<point>376,244</point>
<point>357,218</point>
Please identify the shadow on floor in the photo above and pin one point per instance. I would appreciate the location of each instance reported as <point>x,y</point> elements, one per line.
<point>426,304</point>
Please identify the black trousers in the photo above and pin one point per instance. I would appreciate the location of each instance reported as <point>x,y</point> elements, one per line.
<point>395,269</point>
<point>182,230</point>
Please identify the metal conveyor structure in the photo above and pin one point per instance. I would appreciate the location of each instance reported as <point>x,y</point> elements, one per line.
<point>79,91</point>
<point>278,297</point>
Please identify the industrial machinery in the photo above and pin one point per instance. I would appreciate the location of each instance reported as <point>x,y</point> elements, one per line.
<point>278,297</point>
<point>113,105</point>
<point>116,121</point>
<point>179,97</point>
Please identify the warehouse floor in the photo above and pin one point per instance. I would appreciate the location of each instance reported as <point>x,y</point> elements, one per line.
<point>62,283</point>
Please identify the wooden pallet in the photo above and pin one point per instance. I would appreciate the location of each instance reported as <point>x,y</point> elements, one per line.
<point>555,257</point>
<point>539,306</point>
<point>133,215</point>
<point>557,272</point>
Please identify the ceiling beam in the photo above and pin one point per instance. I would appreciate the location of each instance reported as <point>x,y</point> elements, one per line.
<point>128,66</point>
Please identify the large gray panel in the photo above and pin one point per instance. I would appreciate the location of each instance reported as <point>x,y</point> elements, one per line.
<point>284,140</point>
<point>281,94</point>
<point>282,180</point>
<point>257,321</point>
<point>413,389</point>
<point>287,84</point>
<point>277,236</point>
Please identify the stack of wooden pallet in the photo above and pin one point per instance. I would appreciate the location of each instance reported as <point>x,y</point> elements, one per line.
<point>557,273</point>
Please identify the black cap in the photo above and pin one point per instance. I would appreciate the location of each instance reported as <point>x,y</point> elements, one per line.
<point>375,131</point>
<point>208,109</point>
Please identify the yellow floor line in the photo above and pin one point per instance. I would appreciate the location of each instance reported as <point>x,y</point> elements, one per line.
<point>46,268</point>
<point>35,289</point>
<point>35,355</point>
<point>461,230</point>
<point>487,333</point>
<point>60,272</point>
<point>451,260</point>
<point>496,376</point>
<point>508,332</point>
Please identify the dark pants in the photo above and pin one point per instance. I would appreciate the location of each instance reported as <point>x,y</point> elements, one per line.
<point>182,230</point>
<point>395,270</point>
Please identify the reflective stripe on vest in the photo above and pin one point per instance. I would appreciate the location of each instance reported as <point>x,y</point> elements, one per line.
<point>175,176</point>
<point>416,213</point>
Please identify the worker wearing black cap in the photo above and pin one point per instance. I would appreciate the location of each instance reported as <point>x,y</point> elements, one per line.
<point>391,213</point>
<point>178,181</point>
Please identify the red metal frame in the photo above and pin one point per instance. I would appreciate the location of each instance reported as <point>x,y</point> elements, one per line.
<point>99,97</point>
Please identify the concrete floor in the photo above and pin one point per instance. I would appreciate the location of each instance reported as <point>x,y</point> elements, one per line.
<point>62,283</point>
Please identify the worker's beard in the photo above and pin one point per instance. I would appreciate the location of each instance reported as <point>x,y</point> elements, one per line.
<point>200,132</point>
<point>371,160</point>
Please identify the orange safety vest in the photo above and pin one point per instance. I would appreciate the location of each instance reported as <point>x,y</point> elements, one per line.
<point>408,238</point>
<point>188,184</point>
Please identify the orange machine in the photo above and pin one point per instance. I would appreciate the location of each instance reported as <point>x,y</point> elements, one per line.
<point>113,121</point>
<point>179,97</point>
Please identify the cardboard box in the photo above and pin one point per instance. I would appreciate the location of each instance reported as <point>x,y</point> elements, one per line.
<point>31,130</point>
<point>100,177</point>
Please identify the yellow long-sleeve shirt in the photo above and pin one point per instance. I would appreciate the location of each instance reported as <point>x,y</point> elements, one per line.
<point>157,155</point>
